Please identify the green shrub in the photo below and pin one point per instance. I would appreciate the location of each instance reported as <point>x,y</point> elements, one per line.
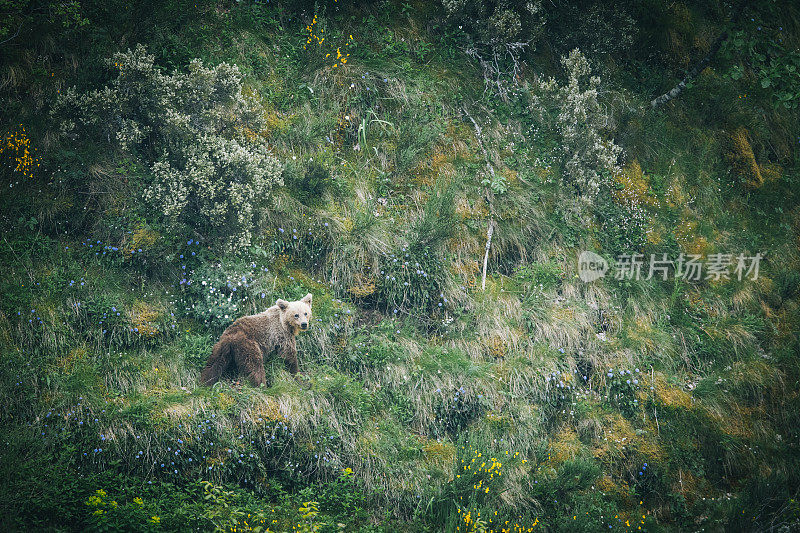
<point>580,120</point>
<point>622,229</point>
<point>308,184</point>
<point>371,351</point>
<point>546,276</point>
<point>216,294</point>
<point>455,410</point>
<point>621,389</point>
<point>199,132</point>
<point>414,277</point>
<point>196,348</point>
<point>109,515</point>
<point>496,35</point>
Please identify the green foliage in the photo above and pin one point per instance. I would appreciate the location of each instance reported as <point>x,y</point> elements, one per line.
<point>759,51</point>
<point>622,386</point>
<point>496,34</point>
<point>223,512</point>
<point>455,410</point>
<point>199,133</point>
<point>621,228</point>
<point>596,27</point>
<point>368,350</point>
<point>546,276</point>
<point>309,185</point>
<point>309,512</point>
<point>17,14</point>
<point>579,120</point>
<point>413,277</point>
<point>109,515</point>
<point>216,294</point>
<point>343,499</point>
<point>195,348</point>
<point>412,280</point>
<point>110,304</point>
<point>497,23</point>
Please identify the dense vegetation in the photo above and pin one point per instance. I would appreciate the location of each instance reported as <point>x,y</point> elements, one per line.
<point>168,167</point>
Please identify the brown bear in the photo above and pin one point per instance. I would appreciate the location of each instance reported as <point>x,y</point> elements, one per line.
<point>244,345</point>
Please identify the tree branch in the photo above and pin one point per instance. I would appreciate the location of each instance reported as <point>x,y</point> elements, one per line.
<point>489,198</point>
<point>698,68</point>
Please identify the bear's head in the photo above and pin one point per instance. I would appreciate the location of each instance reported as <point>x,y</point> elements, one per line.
<point>297,315</point>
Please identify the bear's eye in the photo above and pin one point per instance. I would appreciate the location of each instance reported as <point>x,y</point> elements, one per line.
<point>305,314</point>
<point>297,316</point>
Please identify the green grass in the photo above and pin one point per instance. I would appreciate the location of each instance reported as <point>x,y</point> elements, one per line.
<point>668,405</point>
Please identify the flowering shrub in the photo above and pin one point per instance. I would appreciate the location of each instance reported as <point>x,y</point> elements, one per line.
<point>317,35</point>
<point>599,28</point>
<point>455,411</point>
<point>473,498</point>
<point>579,122</point>
<point>622,386</point>
<point>623,224</point>
<point>216,293</point>
<point>371,351</point>
<point>20,159</point>
<point>197,131</point>
<point>497,22</point>
<point>109,515</point>
<point>118,323</point>
<point>306,240</point>
<point>412,279</point>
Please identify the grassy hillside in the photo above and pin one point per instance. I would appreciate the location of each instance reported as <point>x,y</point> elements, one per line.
<point>167,169</point>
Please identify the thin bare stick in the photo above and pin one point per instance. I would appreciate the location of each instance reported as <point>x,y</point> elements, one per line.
<point>489,198</point>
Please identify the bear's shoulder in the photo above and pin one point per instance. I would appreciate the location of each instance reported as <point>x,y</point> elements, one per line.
<point>269,319</point>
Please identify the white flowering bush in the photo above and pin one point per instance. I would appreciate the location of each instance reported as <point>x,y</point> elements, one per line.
<point>198,131</point>
<point>497,22</point>
<point>587,156</point>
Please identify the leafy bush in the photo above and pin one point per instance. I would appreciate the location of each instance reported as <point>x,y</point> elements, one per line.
<point>622,388</point>
<point>547,276</point>
<point>372,351</point>
<point>411,280</point>
<point>498,33</point>
<point>622,228</point>
<point>496,23</point>
<point>109,515</point>
<point>473,497</point>
<point>455,411</point>
<point>309,184</point>
<point>595,26</point>
<point>343,498</point>
<point>586,155</point>
<point>757,52</point>
<point>195,348</point>
<point>214,294</point>
<point>199,133</point>
<point>415,277</point>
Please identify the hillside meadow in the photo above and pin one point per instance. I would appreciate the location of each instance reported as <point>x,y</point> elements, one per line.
<point>544,298</point>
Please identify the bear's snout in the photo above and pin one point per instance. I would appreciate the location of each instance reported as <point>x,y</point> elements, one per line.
<point>304,325</point>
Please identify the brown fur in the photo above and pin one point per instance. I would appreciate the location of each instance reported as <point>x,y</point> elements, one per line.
<point>250,339</point>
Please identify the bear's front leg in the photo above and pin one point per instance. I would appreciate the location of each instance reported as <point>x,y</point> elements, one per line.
<point>289,355</point>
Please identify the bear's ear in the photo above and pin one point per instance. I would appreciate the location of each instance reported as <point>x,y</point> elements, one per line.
<point>307,299</point>
<point>282,304</point>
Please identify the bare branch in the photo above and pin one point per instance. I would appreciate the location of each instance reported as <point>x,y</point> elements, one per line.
<point>493,72</point>
<point>489,197</point>
<point>698,68</point>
